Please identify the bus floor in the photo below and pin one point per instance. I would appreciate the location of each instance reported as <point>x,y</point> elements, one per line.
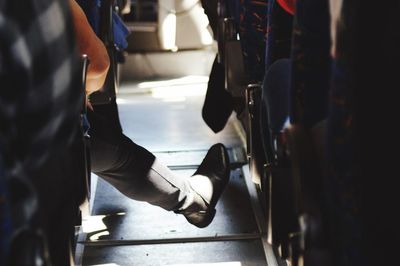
<point>165,117</point>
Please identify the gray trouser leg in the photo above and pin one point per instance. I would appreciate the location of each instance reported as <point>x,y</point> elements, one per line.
<point>136,172</point>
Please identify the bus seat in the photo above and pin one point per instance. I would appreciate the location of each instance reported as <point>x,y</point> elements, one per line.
<point>279,33</point>
<point>167,25</point>
<point>227,13</point>
<point>311,64</point>
<point>235,73</point>
<point>275,99</point>
<point>5,216</point>
<point>230,49</point>
<point>235,20</point>
<point>343,181</point>
<point>275,104</point>
<point>275,96</point>
<point>277,47</point>
<point>227,83</point>
<point>110,29</point>
<point>310,77</point>
<point>255,151</point>
<point>252,33</point>
<point>83,140</point>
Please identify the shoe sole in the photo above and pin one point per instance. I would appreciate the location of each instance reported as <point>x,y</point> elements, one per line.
<point>209,218</point>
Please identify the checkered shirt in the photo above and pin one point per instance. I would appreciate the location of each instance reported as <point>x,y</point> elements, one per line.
<point>40,94</point>
<point>40,90</point>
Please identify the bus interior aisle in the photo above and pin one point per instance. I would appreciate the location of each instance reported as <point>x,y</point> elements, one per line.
<point>165,117</point>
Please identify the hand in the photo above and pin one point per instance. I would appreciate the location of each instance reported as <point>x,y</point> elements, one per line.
<point>93,47</point>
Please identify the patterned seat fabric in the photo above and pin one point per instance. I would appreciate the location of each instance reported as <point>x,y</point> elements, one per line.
<point>311,63</point>
<point>253,32</point>
<point>5,218</point>
<point>341,186</point>
<point>288,5</point>
<point>276,82</point>
<point>279,33</point>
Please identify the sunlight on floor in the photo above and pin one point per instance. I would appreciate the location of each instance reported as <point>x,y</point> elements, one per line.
<point>178,93</point>
<point>178,90</point>
<point>107,264</point>
<point>231,263</point>
<point>171,90</point>
<point>98,236</point>
<point>187,80</point>
<point>95,223</point>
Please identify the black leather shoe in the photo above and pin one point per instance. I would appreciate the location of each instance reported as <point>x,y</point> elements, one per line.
<point>215,166</point>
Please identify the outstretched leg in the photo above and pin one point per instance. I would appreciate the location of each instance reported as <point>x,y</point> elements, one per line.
<point>139,175</point>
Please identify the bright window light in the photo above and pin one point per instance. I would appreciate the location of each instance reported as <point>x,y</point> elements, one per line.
<point>168,32</point>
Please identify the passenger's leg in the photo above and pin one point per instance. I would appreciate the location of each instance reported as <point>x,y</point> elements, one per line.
<point>137,173</point>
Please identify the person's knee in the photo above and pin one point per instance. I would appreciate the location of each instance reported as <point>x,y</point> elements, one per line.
<point>121,159</point>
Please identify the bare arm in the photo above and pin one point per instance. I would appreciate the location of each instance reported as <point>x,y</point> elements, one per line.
<point>93,47</point>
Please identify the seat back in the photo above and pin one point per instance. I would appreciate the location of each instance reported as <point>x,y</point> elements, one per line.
<point>5,216</point>
<point>275,111</point>
<point>105,31</point>
<point>307,134</point>
<point>255,151</point>
<point>275,99</point>
<point>253,31</point>
<point>106,23</point>
<point>235,74</point>
<point>81,150</point>
<point>276,88</point>
<point>279,34</point>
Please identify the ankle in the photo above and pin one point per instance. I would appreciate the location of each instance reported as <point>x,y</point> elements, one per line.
<point>202,186</point>
<point>194,203</point>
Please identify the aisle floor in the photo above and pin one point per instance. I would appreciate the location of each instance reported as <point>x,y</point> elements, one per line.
<point>165,117</point>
